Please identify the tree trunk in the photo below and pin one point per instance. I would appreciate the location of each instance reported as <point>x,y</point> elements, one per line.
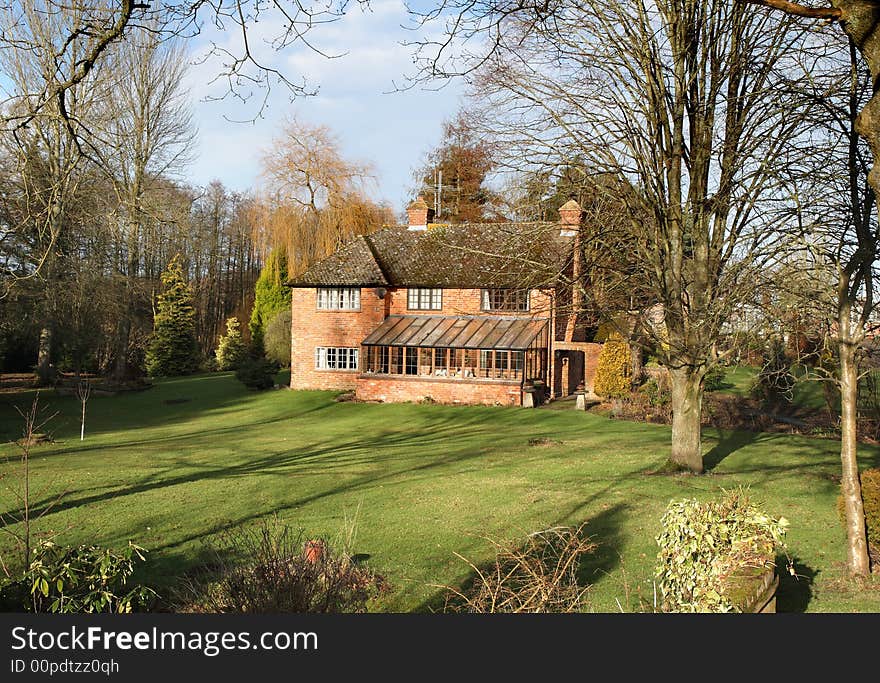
<point>44,352</point>
<point>857,559</point>
<point>687,400</point>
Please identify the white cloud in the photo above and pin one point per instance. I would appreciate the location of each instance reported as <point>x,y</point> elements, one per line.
<point>392,131</point>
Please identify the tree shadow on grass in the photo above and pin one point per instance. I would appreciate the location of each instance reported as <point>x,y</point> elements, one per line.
<point>794,592</point>
<point>729,442</point>
<point>604,529</point>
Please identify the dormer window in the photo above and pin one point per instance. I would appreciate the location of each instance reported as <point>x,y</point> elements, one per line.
<point>505,300</point>
<point>339,298</point>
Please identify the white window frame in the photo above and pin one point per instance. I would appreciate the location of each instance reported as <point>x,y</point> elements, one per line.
<point>337,358</point>
<point>424,299</point>
<point>339,298</point>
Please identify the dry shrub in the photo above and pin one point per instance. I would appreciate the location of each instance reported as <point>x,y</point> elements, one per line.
<point>537,576</point>
<point>271,570</point>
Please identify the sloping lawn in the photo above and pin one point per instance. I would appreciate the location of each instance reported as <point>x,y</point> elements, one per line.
<point>171,466</point>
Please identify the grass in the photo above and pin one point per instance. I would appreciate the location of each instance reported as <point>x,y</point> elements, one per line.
<point>170,467</point>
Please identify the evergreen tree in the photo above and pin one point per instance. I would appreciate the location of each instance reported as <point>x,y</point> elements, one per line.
<point>271,297</point>
<point>231,350</point>
<point>173,349</point>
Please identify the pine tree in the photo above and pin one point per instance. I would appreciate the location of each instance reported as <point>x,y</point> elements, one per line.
<point>173,349</point>
<point>270,295</point>
<point>231,350</point>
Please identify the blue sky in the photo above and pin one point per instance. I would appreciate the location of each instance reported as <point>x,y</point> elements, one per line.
<point>390,130</point>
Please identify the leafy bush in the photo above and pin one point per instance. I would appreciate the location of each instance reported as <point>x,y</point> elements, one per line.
<point>271,570</point>
<point>276,340</point>
<point>538,576</point>
<point>657,392</point>
<point>84,579</point>
<point>871,500</point>
<point>714,378</point>
<point>613,369</point>
<point>774,381</point>
<point>704,546</point>
<point>231,349</point>
<point>257,373</point>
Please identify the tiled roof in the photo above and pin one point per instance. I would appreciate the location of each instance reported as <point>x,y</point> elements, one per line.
<point>460,332</point>
<point>466,256</point>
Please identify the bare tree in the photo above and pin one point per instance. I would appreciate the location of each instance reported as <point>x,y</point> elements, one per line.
<point>315,199</point>
<point>146,134</point>
<point>678,101</point>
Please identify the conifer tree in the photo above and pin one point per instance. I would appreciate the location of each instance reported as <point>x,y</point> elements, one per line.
<point>271,297</point>
<point>231,350</point>
<point>173,349</point>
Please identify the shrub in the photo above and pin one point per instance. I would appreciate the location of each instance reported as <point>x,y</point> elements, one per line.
<point>705,546</point>
<point>657,392</point>
<point>276,340</point>
<point>775,380</point>
<point>231,349</point>
<point>613,369</point>
<point>257,373</point>
<point>714,378</point>
<point>271,570</point>
<point>871,500</point>
<point>84,579</point>
<point>538,576</point>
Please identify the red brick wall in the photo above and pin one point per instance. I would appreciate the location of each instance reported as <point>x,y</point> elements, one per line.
<point>311,327</point>
<point>591,360</point>
<point>398,389</point>
<point>467,302</point>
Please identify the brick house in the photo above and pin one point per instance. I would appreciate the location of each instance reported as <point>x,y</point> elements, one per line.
<point>472,313</point>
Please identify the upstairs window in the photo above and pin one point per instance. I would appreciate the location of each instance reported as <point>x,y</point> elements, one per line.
<point>424,299</point>
<point>339,298</point>
<point>505,300</point>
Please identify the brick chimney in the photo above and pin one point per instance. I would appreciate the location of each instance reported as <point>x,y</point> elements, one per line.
<point>569,218</point>
<point>418,214</point>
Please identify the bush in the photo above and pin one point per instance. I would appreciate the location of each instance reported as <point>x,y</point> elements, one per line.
<point>714,378</point>
<point>84,579</point>
<point>657,392</point>
<point>871,500</point>
<point>231,349</point>
<point>704,547</point>
<point>539,576</point>
<point>257,373</point>
<point>271,570</point>
<point>774,381</point>
<point>276,340</point>
<point>613,369</point>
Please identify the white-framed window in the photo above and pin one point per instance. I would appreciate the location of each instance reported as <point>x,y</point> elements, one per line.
<point>339,298</point>
<point>335,358</point>
<point>505,300</point>
<point>503,360</point>
<point>424,299</point>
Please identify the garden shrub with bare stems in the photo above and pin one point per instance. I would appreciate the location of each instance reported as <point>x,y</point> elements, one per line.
<point>539,575</point>
<point>272,569</point>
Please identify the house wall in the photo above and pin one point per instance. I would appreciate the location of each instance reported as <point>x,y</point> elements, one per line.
<point>311,327</point>
<point>468,302</point>
<point>399,389</point>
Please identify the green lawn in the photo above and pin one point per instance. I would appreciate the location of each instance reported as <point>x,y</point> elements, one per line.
<point>423,482</point>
